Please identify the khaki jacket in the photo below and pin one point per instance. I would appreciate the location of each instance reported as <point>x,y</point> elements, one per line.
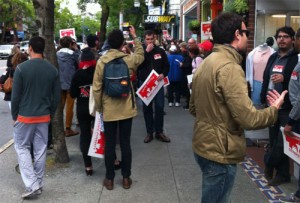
<point>116,108</point>
<point>222,108</point>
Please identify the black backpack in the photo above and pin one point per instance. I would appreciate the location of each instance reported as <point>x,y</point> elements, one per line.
<point>116,79</point>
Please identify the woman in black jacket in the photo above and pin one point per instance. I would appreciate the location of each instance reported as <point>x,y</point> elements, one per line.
<point>80,89</point>
<point>12,62</point>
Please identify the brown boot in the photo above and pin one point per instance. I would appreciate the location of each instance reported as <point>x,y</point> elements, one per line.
<point>162,137</point>
<point>127,183</point>
<point>148,138</point>
<point>108,184</point>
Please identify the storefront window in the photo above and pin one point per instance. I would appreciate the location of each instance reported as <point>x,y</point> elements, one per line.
<point>205,10</point>
<point>295,22</point>
<point>266,26</point>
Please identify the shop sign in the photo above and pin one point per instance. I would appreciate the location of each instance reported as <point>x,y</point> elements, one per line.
<point>159,18</point>
<point>205,30</point>
<point>188,5</point>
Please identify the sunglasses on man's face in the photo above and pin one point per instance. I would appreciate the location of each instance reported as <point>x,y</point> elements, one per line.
<point>247,32</point>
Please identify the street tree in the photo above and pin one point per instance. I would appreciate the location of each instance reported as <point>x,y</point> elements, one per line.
<point>12,12</point>
<point>110,14</point>
<point>44,10</point>
<point>104,15</point>
<point>83,23</point>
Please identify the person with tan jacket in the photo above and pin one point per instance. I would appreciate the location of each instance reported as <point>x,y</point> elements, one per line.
<point>222,109</point>
<point>117,112</point>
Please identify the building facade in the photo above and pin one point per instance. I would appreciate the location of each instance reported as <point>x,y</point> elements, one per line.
<point>262,19</point>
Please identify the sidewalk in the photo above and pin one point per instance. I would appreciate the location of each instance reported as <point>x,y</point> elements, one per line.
<point>161,172</point>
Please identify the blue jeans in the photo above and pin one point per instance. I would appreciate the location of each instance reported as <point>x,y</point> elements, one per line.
<point>217,180</point>
<point>156,123</point>
<point>255,95</point>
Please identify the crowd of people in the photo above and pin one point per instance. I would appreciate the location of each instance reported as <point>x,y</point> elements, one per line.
<point>208,75</point>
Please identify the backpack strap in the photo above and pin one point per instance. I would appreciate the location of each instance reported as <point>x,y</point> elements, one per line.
<point>131,88</point>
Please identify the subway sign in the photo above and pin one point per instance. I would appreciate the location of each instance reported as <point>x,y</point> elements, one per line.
<point>159,18</point>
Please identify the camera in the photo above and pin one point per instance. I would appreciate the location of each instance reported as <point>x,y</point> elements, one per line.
<point>125,28</point>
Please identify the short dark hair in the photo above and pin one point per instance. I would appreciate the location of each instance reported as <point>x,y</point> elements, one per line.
<point>115,39</point>
<point>37,43</point>
<point>194,50</point>
<point>148,32</point>
<point>91,40</point>
<point>223,27</point>
<point>286,29</point>
<point>65,41</point>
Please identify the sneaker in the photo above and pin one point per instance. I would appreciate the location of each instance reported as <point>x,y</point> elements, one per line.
<point>170,104</point>
<point>177,104</point>
<point>30,193</point>
<point>291,198</point>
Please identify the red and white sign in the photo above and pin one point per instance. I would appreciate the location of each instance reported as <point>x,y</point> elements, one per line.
<point>166,35</point>
<point>278,68</point>
<point>166,81</point>
<point>150,87</point>
<point>292,146</point>
<point>205,30</point>
<point>294,75</point>
<point>67,32</point>
<point>98,139</point>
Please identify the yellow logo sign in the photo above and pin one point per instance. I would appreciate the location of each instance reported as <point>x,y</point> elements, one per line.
<point>159,18</point>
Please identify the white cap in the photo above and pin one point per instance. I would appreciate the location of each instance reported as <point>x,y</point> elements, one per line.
<point>173,48</point>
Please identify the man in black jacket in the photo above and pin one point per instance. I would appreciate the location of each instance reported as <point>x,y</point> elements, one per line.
<point>277,76</point>
<point>155,58</point>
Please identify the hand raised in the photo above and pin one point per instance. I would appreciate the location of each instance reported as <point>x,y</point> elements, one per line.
<point>275,99</point>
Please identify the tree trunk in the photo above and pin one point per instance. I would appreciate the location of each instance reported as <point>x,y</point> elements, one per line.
<point>104,18</point>
<point>44,10</point>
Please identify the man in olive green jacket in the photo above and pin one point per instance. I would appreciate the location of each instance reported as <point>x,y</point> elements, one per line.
<point>117,112</point>
<point>222,108</point>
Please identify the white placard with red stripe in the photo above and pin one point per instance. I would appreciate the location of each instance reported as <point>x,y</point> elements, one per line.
<point>150,87</point>
<point>292,146</point>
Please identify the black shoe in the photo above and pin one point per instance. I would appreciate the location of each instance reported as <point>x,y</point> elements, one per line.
<point>278,181</point>
<point>268,172</point>
<point>89,171</point>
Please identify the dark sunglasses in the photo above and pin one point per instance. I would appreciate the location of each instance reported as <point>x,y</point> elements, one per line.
<point>247,32</point>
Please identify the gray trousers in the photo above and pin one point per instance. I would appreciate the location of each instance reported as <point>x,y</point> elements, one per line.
<point>36,135</point>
